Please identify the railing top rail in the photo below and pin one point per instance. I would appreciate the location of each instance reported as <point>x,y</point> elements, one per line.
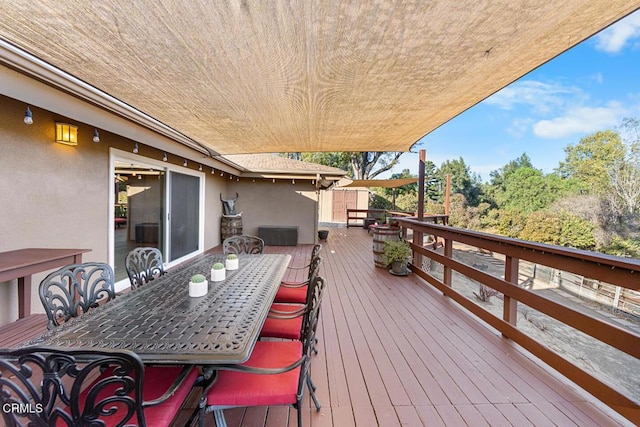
<point>609,268</point>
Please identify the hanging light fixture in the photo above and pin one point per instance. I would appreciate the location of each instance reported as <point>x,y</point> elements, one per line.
<point>28,117</point>
<point>200,168</point>
<point>96,135</point>
<point>164,157</point>
<point>66,133</point>
<point>213,171</point>
<point>184,163</point>
<point>135,148</point>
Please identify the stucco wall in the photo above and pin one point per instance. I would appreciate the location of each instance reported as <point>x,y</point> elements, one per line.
<point>54,195</point>
<point>281,203</point>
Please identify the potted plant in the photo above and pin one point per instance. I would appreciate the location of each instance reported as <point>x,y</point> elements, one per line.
<point>198,286</point>
<point>217,272</point>
<point>397,253</point>
<point>231,263</point>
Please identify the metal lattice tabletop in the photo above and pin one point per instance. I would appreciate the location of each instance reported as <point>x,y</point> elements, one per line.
<point>162,324</point>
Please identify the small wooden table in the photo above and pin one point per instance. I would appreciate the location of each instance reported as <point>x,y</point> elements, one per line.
<point>22,263</point>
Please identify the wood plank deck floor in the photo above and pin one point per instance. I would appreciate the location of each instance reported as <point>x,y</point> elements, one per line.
<point>393,351</point>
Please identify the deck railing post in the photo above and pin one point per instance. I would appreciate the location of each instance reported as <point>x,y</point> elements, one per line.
<point>448,252</point>
<point>510,308</point>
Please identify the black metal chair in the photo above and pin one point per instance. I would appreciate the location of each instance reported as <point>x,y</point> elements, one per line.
<point>315,253</point>
<point>296,292</point>
<point>81,387</point>
<point>143,265</point>
<point>74,289</point>
<point>244,244</point>
<point>277,373</point>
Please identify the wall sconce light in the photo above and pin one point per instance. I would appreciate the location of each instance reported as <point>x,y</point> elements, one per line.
<point>164,157</point>
<point>66,133</point>
<point>135,148</point>
<point>28,117</point>
<point>96,136</point>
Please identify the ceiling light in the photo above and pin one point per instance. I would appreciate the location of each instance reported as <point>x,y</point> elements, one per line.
<point>28,117</point>
<point>184,163</point>
<point>164,157</point>
<point>96,136</point>
<point>135,148</point>
<point>200,168</point>
<point>66,133</point>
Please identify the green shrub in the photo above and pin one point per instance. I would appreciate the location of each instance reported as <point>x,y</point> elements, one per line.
<point>198,278</point>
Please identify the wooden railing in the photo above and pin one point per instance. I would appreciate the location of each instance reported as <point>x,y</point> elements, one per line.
<point>358,217</point>
<point>619,271</point>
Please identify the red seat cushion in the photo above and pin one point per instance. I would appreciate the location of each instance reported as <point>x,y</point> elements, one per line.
<point>282,328</point>
<point>245,389</point>
<point>157,380</point>
<point>291,295</point>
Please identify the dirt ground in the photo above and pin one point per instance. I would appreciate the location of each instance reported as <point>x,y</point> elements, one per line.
<point>618,369</point>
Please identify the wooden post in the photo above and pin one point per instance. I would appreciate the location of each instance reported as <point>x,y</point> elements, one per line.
<point>510,305</point>
<point>447,195</point>
<point>448,252</point>
<point>418,236</point>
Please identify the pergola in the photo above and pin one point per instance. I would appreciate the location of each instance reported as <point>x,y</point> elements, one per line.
<point>278,76</point>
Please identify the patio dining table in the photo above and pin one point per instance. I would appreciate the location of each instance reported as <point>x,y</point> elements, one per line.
<point>164,325</point>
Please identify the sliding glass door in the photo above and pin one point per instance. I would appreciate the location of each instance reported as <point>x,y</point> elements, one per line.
<point>184,215</point>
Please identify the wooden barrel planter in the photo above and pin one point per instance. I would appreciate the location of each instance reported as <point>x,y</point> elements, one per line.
<point>381,234</point>
<point>230,226</point>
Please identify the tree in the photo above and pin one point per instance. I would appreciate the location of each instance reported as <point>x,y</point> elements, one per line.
<point>360,165</point>
<point>624,173</point>
<point>462,181</point>
<point>590,160</point>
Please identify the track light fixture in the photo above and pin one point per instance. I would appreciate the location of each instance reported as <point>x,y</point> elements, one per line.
<point>28,117</point>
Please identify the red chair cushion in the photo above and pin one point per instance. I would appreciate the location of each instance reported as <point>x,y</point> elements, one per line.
<point>291,295</point>
<point>282,328</point>
<point>157,380</point>
<point>245,389</point>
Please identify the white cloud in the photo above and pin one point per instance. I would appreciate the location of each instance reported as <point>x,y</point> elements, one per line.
<point>581,120</point>
<point>614,38</point>
<point>543,97</point>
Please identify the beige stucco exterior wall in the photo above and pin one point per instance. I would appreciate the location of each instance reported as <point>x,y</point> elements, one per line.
<point>54,195</point>
<point>281,203</point>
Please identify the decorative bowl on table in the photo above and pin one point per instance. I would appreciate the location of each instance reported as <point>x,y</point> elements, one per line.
<point>231,263</point>
<point>198,286</point>
<point>217,272</point>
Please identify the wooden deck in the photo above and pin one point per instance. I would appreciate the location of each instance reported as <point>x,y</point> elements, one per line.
<point>393,351</point>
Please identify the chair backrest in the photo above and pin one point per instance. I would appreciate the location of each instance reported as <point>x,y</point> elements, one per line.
<point>315,252</point>
<point>74,289</point>
<point>243,245</point>
<point>315,293</point>
<point>314,267</point>
<point>143,265</point>
<point>44,386</point>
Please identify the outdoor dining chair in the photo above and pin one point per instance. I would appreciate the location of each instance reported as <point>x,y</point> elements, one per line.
<point>315,253</point>
<point>75,289</point>
<point>143,265</point>
<point>277,373</point>
<point>82,387</point>
<point>244,244</point>
<point>296,292</point>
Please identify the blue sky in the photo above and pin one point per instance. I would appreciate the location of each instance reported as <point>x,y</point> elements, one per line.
<point>589,88</point>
